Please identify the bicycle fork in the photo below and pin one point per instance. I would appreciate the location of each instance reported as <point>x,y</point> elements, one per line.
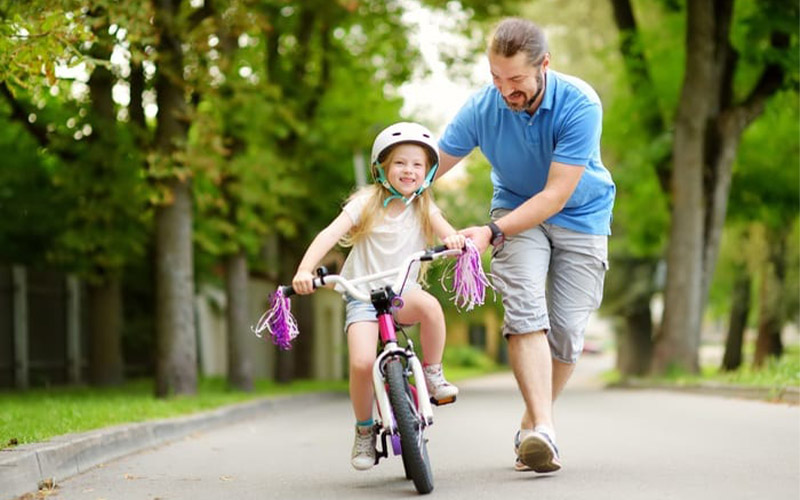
<point>382,397</point>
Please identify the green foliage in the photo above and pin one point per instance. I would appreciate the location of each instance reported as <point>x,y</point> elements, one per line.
<point>35,35</point>
<point>641,214</point>
<point>464,198</point>
<point>467,357</point>
<point>755,25</point>
<point>95,215</point>
<point>107,221</point>
<point>33,209</point>
<point>764,200</point>
<point>766,183</point>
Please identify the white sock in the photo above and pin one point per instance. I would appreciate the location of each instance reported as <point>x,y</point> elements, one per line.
<point>545,429</point>
<point>523,433</point>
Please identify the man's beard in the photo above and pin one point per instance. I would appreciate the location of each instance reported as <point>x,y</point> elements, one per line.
<point>529,102</point>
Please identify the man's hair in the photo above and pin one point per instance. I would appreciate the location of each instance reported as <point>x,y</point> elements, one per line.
<point>514,35</point>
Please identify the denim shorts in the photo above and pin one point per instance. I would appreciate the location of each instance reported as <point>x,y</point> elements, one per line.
<point>356,311</point>
<point>551,279</point>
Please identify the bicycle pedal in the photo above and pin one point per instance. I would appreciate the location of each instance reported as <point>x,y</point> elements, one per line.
<point>445,401</point>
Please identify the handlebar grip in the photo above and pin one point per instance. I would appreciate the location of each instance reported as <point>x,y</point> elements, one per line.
<point>437,249</point>
<point>287,290</point>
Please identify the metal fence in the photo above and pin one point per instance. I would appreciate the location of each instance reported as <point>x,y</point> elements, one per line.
<point>40,336</point>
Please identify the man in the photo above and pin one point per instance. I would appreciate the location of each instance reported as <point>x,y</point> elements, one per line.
<point>551,216</point>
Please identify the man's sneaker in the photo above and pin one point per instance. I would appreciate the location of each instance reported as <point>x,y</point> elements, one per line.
<point>518,465</point>
<point>441,391</point>
<point>363,456</point>
<point>536,452</point>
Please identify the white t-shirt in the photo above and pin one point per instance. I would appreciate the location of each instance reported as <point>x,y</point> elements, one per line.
<point>389,243</point>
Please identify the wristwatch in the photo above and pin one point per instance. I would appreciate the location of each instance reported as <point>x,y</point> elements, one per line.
<point>498,237</point>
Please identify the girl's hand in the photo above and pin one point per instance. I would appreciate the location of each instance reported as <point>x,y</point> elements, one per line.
<point>303,282</point>
<point>455,241</point>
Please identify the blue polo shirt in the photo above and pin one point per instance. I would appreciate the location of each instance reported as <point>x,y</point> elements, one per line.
<point>565,128</point>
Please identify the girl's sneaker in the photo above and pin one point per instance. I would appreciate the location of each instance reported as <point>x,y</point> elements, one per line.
<point>441,391</point>
<point>363,456</point>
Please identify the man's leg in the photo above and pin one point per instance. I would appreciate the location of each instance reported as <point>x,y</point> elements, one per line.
<point>561,374</point>
<point>531,361</point>
<point>520,270</point>
<point>575,286</point>
<point>529,355</point>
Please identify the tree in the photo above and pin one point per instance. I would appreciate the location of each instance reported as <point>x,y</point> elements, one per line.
<point>765,195</point>
<point>176,364</point>
<point>714,110</point>
<point>96,171</point>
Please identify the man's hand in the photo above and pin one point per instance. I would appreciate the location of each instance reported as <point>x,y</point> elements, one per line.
<point>480,235</point>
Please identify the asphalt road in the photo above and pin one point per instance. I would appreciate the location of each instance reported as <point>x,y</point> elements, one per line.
<point>615,444</point>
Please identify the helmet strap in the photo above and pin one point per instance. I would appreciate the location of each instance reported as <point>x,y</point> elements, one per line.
<point>395,193</point>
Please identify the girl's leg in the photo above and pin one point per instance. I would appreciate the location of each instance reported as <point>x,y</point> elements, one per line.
<point>362,341</point>
<point>423,308</point>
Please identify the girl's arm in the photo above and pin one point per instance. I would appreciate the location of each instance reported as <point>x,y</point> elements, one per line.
<point>446,232</point>
<point>324,241</point>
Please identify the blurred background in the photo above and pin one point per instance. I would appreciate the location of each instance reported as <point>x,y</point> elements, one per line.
<point>164,165</point>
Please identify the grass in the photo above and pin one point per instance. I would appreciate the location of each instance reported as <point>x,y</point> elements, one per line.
<point>40,414</point>
<point>776,374</point>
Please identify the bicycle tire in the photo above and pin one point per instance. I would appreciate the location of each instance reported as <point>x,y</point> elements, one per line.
<point>414,449</point>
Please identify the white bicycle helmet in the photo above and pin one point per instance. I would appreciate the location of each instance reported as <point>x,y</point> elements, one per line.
<point>403,133</point>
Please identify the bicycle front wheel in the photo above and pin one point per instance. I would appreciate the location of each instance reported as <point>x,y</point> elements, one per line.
<point>409,424</point>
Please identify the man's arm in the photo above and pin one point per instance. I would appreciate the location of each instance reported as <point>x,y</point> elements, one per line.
<point>561,183</point>
<point>446,162</point>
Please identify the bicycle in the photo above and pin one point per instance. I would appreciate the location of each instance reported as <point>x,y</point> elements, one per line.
<point>404,407</point>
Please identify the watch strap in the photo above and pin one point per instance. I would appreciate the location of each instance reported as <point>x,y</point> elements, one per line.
<point>496,232</point>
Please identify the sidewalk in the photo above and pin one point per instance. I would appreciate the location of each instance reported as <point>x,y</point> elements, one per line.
<point>23,469</point>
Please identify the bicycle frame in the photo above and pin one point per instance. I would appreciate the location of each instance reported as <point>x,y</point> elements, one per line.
<point>382,299</point>
<point>391,348</point>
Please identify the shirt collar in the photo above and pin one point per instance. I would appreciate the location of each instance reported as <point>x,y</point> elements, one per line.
<point>549,90</point>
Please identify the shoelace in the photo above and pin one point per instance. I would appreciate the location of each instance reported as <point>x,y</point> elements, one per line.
<point>436,378</point>
<point>364,444</point>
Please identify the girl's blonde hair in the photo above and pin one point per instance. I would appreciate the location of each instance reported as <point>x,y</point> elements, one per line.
<point>374,210</point>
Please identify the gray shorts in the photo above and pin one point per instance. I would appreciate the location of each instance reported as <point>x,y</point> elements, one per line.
<point>551,279</point>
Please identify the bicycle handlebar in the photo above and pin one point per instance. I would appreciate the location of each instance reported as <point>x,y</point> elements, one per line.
<point>429,254</point>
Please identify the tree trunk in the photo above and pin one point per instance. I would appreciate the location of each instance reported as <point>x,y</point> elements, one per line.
<point>728,132</point>
<point>770,317</point>
<point>240,366</point>
<point>104,293</point>
<point>635,348</point>
<point>176,365</point>
<point>136,105</point>
<point>678,342</point>
<point>105,340</point>
<point>740,310</point>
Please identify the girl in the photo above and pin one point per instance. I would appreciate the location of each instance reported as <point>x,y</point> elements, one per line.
<point>384,223</point>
